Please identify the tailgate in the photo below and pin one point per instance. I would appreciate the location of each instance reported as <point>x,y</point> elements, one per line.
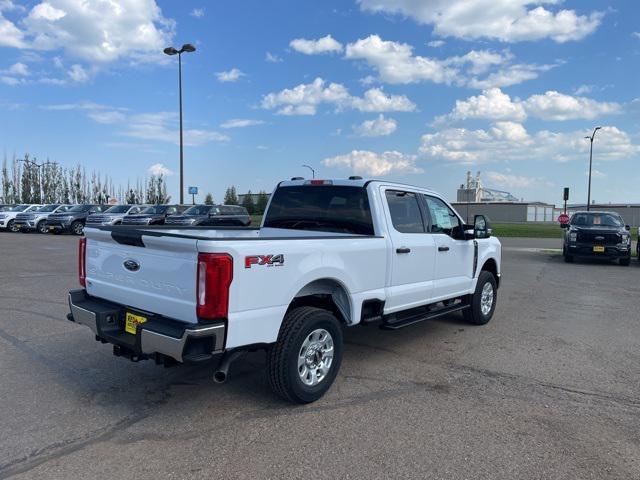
<point>160,278</point>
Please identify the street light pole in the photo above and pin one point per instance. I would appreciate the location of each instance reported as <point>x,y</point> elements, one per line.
<point>593,135</point>
<point>313,172</point>
<point>187,47</point>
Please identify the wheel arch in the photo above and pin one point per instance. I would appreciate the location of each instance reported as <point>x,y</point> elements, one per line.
<point>490,265</point>
<point>328,293</point>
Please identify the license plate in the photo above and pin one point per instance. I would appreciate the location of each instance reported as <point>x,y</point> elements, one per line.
<point>132,321</point>
<point>51,227</point>
<point>598,249</point>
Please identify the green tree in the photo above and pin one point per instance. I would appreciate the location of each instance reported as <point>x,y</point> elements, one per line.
<point>230,196</point>
<point>247,202</point>
<point>208,200</point>
<point>261,203</point>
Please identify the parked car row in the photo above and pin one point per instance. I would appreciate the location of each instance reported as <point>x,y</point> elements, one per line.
<point>58,218</point>
<point>598,234</point>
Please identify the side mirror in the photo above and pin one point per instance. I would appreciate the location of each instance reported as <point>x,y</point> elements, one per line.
<point>564,225</point>
<point>481,227</point>
<point>627,227</point>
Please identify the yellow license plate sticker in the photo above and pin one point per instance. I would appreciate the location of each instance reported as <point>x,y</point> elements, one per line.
<point>598,249</point>
<point>132,321</point>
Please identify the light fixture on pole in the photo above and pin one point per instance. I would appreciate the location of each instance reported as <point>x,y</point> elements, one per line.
<point>590,138</point>
<point>187,47</point>
<point>313,172</point>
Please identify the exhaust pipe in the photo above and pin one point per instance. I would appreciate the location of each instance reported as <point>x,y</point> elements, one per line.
<point>221,374</point>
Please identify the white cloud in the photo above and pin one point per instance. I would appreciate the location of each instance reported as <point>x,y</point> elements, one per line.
<point>374,164</point>
<point>107,116</point>
<point>272,58</point>
<point>99,32</point>
<point>595,173</point>
<point>507,180</point>
<point>583,89</point>
<point>78,74</point>
<point>435,43</point>
<point>636,34</point>
<point>557,106</point>
<point>505,20</point>
<point>19,69</point>
<point>326,44</point>
<point>378,127</point>
<point>493,104</point>
<point>158,169</point>
<point>11,81</point>
<point>162,126</point>
<point>305,98</point>
<point>240,123</point>
<point>509,75</point>
<point>232,75</point>
<point>507,141</point>
<point>197,12</point>
<point>10,35</point>
<point>396,63</point>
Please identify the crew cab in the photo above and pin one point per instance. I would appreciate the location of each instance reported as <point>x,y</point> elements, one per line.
<point>37,219</point>
<point>73,219</point>
<point>113,215</point>
<point>597,234</point>
<point>8,216</point>
<point>154,215</point>
<point>212,216</point>
<point>329,254</point>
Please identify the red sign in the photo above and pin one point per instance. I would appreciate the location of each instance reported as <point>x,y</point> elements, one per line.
<point>563,218</point>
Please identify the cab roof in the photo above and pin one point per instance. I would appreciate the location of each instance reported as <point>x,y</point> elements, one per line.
<point>349,182</point>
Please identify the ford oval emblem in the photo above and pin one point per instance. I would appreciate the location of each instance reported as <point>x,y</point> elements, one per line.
<point>131,265</point>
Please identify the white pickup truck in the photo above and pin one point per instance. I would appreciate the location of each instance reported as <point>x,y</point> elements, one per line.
<point>329,253</point>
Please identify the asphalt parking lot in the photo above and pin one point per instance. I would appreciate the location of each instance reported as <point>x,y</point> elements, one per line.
<point>550,389</point>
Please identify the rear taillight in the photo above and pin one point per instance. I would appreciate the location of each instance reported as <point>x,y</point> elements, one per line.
<point>82,261</point>
<point>215,273</point>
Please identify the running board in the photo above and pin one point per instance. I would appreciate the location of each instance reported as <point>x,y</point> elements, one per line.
<point>392,322</point>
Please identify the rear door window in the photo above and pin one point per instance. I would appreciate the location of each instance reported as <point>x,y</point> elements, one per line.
<point>405,211</point>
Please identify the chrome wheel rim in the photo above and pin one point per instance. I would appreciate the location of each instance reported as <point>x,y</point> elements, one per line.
<point>315,357</point>
<point>486,300</point>
<point>78,229</point>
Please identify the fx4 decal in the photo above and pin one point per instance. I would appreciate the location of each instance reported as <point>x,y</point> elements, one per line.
<point>266,260</point>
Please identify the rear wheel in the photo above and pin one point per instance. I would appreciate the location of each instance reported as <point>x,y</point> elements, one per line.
<point>304,361</point>
<point>77,227</point>
<point>12,227</point>
<point>483,301</point>
<point>42,226</point>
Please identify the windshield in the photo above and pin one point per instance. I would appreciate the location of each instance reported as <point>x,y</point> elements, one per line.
<point>341,209</point>
<point>118,209</point>
<point>157,209</point>
<point>47,208</point>
<point>18,208</point>
<point>198,210</point>
<point>79,208</point>
<point>596,220</point>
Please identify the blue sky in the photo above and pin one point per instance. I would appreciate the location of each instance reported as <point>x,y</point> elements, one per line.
<point>410,90</point>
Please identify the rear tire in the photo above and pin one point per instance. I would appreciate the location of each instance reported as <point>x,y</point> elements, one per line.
<point>304,361</point>
<point>567,258</point>
<point>483,301</point>
<point>77,227</point>
<point>11,226</point>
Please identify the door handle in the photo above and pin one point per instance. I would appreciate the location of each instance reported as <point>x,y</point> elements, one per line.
<point>403,250</point>
<point>443,249</point>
